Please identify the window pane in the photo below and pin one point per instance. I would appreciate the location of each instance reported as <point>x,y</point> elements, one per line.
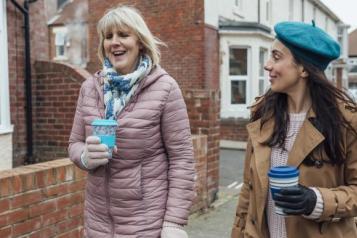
<point>261,61</point>
<point>238,92</point>
<point>261,86</point>
<point>60,50</point>
<point>238,61</point>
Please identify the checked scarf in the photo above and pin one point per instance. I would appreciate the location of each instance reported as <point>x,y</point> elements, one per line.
<point>118,89</point>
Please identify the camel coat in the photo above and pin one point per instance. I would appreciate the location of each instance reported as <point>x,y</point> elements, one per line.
<point>337,184</point>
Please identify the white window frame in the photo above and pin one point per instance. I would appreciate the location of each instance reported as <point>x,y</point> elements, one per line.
<point>263,77</point>
<point>232,110</point>
<point>60,30</point>
<point>5,123</point>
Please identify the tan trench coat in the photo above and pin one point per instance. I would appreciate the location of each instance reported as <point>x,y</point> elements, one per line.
<point>337,184</point>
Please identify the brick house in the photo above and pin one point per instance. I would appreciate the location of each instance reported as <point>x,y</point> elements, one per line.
<point>68,33</point>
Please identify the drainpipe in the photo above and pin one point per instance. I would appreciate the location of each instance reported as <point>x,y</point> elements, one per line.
<point>28,85</point>
<point>259,11</point>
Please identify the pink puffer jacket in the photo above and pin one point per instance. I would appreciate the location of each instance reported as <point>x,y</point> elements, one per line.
<point>151,178</point>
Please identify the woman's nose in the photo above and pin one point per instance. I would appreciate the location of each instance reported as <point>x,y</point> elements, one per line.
<point>267,65</point>
<point>116,40</point>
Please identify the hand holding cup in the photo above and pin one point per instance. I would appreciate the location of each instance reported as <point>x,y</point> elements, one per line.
<point>94,154</point>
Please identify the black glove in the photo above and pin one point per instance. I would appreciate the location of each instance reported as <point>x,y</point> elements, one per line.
<point>298,200</point>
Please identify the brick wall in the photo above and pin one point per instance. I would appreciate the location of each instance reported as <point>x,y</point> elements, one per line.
<point>180,24</point>
<point>46,199</point>
<point>56,89</point>
<point>203,108</point>
<point>211,57</point>
<point>42,200</point>
<point>234,129</point>
<point>200,151</point>
<point>39,50</point>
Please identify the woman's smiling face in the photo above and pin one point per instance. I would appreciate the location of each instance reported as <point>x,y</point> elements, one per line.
<point>284,72</point>
<point>122,48</point>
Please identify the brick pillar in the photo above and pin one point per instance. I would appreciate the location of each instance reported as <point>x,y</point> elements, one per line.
<point>203,108</point>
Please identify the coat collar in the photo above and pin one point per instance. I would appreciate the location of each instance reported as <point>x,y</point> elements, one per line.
<point>306,140</point>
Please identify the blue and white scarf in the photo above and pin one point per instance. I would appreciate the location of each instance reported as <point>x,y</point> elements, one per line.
<point>118,89</point>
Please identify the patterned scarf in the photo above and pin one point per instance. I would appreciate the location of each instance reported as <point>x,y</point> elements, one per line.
<point>118,89</point>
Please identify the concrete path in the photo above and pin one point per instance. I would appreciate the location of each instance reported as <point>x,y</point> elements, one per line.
<point>217,221</point>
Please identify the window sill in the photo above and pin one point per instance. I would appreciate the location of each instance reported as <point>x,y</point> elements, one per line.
<point>60,58</point>
<point>6,129</point>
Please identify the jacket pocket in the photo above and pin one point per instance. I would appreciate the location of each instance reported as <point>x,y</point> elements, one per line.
<point>125,184</point>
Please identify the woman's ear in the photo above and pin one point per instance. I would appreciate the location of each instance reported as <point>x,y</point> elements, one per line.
<point>303,72</point>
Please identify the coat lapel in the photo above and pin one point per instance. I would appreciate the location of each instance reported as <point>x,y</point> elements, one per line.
<point>306,141</point>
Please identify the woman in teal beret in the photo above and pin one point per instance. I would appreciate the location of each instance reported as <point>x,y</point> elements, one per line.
<point>302,121</point>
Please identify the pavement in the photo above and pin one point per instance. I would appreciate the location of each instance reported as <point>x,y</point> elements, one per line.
<point>217,221</point>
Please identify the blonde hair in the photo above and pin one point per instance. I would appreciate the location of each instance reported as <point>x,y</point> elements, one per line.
<point>124,16</point>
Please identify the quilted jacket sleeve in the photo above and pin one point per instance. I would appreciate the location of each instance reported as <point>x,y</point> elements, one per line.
<point>178,143</point>
<point>77,137</point>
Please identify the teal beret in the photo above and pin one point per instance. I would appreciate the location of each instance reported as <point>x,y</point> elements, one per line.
<point>308,42</point>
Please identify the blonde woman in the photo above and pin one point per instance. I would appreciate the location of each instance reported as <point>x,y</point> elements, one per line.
<point>146,188</point>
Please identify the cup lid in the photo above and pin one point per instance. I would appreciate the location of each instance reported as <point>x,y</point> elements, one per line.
<point>283,172</point>
<point>104,122</point>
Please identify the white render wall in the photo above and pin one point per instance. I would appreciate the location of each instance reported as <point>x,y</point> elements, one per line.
<point>5,151</point>
<point>279,10</point>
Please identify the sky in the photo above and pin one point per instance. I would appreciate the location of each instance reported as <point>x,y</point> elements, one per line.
<point>346,10</point>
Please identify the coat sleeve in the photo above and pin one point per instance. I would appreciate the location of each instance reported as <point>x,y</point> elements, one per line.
<point>243,202</point>
<point>177,139</point>
<point>77,136</point>
<point>341,202</point>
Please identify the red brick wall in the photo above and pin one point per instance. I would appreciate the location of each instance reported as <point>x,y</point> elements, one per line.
<point>203,108</point>
<point>56,90</point>
<point>211,57</point>
<point>42,200</point>
<point>200,151</point>
<point>16,80</point>
<point>178,23</point>
<point>39,50</point>
<point>234,129</point>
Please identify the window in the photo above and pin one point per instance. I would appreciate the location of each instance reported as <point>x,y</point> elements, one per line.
<point>238,75</point>
<point>262,73</point>
<point>60,34</point>
<point>60,3</point>
<point>340,32</point>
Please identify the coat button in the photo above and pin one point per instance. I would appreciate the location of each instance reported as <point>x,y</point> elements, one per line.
<point>250,185</point>
<point>253,221</point>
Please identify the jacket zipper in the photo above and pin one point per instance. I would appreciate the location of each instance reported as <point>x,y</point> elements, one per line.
<point>107,196</point>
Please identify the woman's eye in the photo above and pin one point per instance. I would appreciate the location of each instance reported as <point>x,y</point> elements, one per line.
<point>108,36</point>
<point>123,34</point>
